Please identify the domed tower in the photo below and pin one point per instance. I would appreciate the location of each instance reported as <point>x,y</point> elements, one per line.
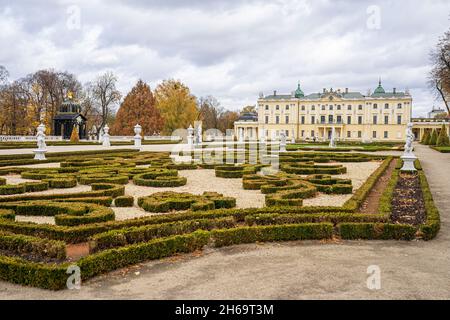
<point>379,89</point>
<point>69,117</point>
<point>299,93</point>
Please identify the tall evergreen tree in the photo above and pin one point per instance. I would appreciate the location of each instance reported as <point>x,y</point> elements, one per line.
<point>433,139</point>
<point>138,107</point>
<point>443,139</point>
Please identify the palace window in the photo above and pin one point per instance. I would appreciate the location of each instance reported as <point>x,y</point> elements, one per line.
<point>338,119</point>
<point>374,134</point>
<point>267,107</point>
<point>323,107</point>
<point>303,119</point>
<point>349,120</point>
<point>331,107</point>
<point>287,119</point>
<point>386,134</point>
<point>277,107</point>
<point>349,134</point>
<point>312,133</point>
<point>349,107</point>
<point>322,119</point>
<point>359,134</point>
<point>374,119</point>
<point>399,119</point>
<point>375,106</point>
<point>303,108</point>
<point>386,105</point>
<point>339,107</point>
<point>267,119</point>
<point>313,119</point>
<point>360,107</point>
<point>277,119</point>
<point>313,107</point>
<point>359,119</point>
<point>399,106</point>
<point>330,118</point>
<point>287,107</point>
<point>386,119</point>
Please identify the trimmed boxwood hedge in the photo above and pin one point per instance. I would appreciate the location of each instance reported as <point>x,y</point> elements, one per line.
<point>123,237</point>
<point>124,201</point>
<point>38,247</point>
<point>376,231</point>
<point>167,201</point>
<point>12,189</point>
<point>112,259</point>
<point>287,232</point>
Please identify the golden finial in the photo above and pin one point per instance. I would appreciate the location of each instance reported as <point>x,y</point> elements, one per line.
<point>70,95</point>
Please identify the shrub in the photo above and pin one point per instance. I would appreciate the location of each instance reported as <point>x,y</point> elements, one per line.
<point>12,189</point>
<point>59,183</point>
<point>2,181</point>
<point>272,233</point>
<point>35,186</point>
<point>27,245</point>
<point>166,201</point>
<point>124,201</point>
<point>74,137</point>
<point>380,231</point>
<point>159,178</point>
<point>443,139</point>
<point>433,138</point>
<point>425,137</point>
<point>112,259</point>
<point>123,237</point>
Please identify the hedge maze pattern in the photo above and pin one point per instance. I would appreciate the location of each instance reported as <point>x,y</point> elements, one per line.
<point>36,254</point>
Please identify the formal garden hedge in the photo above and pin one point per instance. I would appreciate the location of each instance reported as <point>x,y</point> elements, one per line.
<point>35,254</point>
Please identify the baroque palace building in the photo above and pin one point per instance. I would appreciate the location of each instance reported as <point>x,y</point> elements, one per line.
<point>378,116</point>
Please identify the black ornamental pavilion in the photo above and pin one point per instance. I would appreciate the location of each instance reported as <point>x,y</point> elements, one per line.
<point>67,117</point>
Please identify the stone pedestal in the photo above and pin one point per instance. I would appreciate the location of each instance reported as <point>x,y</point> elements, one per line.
<point>282,143</point>
<point>408,162</point>
<point>39,154</point>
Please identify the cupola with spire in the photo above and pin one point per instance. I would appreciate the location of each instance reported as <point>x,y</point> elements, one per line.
<point>379,89</point>
<point>299,93</point>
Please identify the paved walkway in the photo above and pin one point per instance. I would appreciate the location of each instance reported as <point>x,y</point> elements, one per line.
<point>292,270</point>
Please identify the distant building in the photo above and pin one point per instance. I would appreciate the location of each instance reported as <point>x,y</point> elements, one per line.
<point>422,125</point>
<point>377,116</point>
<point>68,117</point>
<point>435,111</point>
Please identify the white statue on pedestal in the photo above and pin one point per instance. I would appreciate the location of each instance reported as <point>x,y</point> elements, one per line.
<point>137,137</point>
<point>39,154</point>
<point>106,142</point>
<point>293,136</point>
<point>333,138</point>
<point>282,142</point>
<point>408,156</point>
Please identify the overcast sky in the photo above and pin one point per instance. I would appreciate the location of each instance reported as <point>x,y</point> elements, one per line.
<point>230,49</point>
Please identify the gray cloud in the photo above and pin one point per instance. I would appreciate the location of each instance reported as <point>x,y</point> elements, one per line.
<point>230,49</point>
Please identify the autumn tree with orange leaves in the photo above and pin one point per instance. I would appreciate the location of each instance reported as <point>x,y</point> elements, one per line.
<point>138,107</point>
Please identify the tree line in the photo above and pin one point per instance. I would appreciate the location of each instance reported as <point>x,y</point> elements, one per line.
<point>35,99</point>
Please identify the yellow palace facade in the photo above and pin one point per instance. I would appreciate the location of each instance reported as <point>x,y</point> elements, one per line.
<point>378,116</point>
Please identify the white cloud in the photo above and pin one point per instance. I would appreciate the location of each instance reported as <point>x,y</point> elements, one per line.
<point>230,49</point>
